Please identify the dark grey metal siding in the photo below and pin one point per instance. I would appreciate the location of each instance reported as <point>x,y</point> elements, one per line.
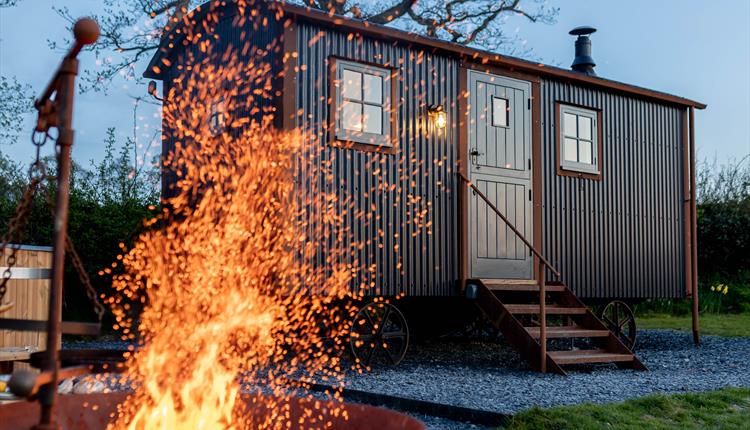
<point>416,258</point>
<point>253,40</point>
<point>621,236</point>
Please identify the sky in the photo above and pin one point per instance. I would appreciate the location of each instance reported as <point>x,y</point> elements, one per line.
<point>691,48</point>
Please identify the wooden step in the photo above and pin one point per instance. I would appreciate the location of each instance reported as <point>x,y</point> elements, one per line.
<point>582,356</point>
<point>567,332</point>
<point>551,309</point>
<point>487,281</point>
<point>525,287</point>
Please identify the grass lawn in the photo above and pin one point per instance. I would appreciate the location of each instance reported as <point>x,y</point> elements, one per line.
<point>715,324</point>
<point>728,408</point>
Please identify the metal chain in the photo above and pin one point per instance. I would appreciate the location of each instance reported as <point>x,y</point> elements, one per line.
<point>37,173</point>
<point>15,232</point>
<point>83,276</point>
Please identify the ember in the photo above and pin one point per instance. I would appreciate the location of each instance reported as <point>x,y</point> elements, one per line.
<point>227,275</point>
<point>226,281</point>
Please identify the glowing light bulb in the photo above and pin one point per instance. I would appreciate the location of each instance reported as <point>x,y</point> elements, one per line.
<point>438,117</point>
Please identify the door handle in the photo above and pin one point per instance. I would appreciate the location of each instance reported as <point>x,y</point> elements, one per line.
<point>474,154</point>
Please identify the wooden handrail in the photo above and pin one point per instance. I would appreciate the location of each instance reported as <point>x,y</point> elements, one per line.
<point>542,275</point>
<point>509,224</point>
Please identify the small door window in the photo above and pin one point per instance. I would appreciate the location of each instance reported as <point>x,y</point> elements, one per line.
<point>579,139</point>
<point>363,103</point>
<point>500,112</point>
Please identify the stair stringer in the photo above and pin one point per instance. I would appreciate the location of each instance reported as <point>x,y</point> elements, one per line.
<point>589,320</point>
<point>512,329</point>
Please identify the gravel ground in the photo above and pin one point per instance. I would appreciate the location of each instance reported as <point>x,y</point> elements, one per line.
<point>491,376</point>
<point>105,342</point>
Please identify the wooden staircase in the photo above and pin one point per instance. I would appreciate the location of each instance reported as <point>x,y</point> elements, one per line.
<point>520,310</point>
<point>514,308</point>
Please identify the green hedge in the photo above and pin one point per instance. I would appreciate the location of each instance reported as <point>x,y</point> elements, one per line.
<point>108,202</point>
<point>723,210</point>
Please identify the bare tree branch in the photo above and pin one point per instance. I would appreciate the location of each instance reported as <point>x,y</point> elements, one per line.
<point>15,100</point>
<point>133,28</point>
<point>396,11</point>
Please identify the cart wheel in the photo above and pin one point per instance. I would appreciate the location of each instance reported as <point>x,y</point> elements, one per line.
<point>620,320</point>
<point>379,335</point>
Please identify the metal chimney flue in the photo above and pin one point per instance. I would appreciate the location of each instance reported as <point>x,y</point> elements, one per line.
<point>583,61</point>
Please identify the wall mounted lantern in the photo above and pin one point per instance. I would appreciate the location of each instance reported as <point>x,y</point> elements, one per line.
<point>438,116</point>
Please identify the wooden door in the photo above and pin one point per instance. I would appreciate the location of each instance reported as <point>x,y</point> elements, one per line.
<point>500,166</point>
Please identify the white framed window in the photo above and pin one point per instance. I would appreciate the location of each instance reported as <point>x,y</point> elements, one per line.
<point>363,103</point>
<point>579,139</point>
<point>217,117</point>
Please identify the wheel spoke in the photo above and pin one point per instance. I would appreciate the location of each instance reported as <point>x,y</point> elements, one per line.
<point>389,354</point>
<point>616,315</point>
<point>386,314</point>
<point>369,320</point>
<point>608,321</point>
<point>370,353</point>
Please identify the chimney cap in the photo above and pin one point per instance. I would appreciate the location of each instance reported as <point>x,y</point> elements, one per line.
<point>584,30</point>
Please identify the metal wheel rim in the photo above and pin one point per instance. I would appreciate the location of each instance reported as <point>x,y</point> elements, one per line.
<point>373,342</point>
<point>620,320</point>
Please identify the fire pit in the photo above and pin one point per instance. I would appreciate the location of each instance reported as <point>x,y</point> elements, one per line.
<point>95,411</point>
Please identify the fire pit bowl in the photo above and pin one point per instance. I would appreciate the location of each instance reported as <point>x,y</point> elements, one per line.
<point>92,412</point>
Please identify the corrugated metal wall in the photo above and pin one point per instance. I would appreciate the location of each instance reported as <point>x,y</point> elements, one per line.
<point>249,39</point>
<point>410,255</point>
<point>621,236</point>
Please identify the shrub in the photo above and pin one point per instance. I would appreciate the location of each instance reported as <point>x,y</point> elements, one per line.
<point>108,203</point>
<point>724,234</point>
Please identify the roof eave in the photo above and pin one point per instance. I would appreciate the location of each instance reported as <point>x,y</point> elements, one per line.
<point>154,71</point>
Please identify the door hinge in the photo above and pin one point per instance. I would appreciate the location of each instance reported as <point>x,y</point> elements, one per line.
<point>529,195</point>
<point>528,103</point>
<point>529,163</point>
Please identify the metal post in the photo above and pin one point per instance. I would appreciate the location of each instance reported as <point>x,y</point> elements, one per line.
<point>64,104</point>
<point>694,229</point>
<point>542,317</point>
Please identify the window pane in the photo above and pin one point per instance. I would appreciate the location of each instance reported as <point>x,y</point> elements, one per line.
<point>373,89</point>
<point>352,85</point>
<point>499,112</point>
<point>584,152</point>
<point>584,127</point>
<point>373,119</point>
<point>570,150</point>
<point>351,116</point>
<point>569,125</point>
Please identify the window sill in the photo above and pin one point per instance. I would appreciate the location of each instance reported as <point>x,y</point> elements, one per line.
<point>561,171</point>
<point>364,147</point>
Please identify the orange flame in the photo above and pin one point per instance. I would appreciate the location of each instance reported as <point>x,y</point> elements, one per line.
<point>245,278</point>
<point>230,276</point>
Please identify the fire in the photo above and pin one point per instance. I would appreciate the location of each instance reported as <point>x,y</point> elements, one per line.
<point>242,286</point>
<point>237,293</point>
